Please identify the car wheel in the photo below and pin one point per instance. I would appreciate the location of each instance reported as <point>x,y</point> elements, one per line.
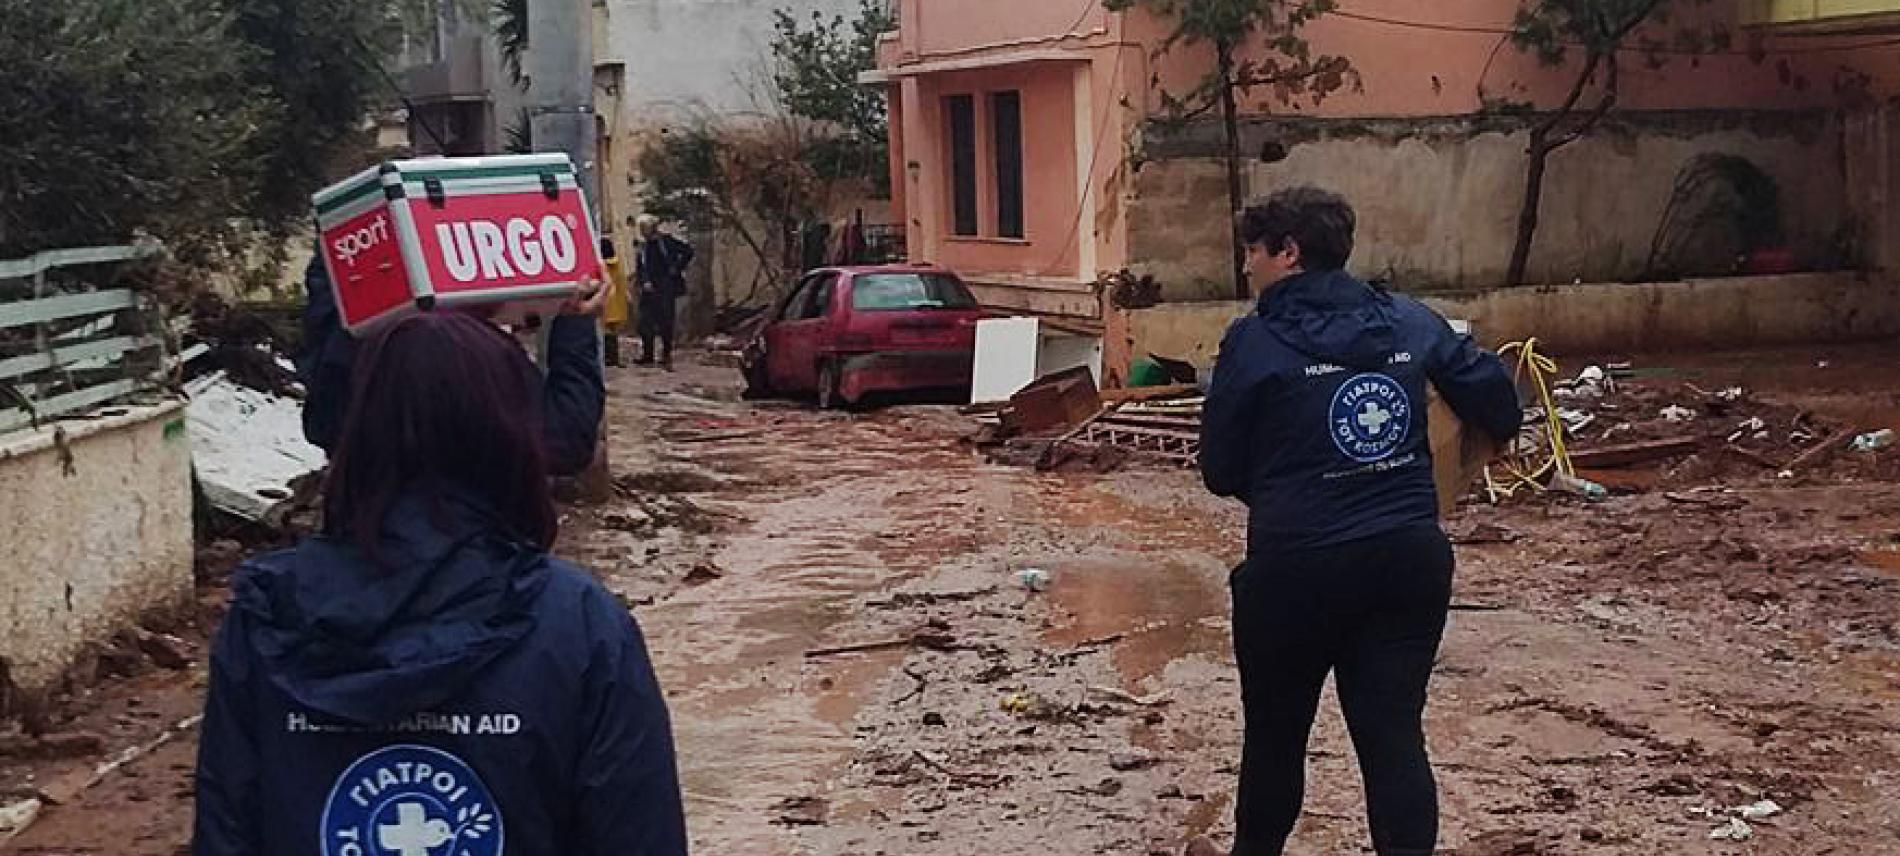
<point>828,381</point>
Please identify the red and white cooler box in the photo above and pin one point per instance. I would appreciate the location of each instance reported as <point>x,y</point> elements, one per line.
<point>419,234</point>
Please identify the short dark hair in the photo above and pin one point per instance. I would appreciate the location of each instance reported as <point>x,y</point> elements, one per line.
<point>441,400</point>
<point>1319,221</point>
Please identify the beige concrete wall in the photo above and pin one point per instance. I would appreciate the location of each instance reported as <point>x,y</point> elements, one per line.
<point>1438,199</point>
<point>1177,228</point>
<point>90,537</point>
<point>1183,331</point>
<point>1593,318</point>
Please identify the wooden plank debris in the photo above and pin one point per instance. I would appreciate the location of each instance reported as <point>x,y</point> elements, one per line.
<point>1631,454</point>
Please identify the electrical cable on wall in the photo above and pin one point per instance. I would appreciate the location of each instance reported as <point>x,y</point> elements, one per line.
<point>1501,30</point>
<point>1082,211</point>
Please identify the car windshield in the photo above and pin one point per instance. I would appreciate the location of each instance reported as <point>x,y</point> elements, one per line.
<point>877,292</point>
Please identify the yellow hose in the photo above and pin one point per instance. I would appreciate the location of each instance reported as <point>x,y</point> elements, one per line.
<point>1529,470</point>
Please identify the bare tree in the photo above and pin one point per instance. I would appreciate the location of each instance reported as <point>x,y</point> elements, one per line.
<point>1602,30</point>
<point>1287,69</point>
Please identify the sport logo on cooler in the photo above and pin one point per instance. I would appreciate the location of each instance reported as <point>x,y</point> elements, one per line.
<point>1370,418</point>
<point>480,249</point>
<point>410,800</point>
<point>364,239</point>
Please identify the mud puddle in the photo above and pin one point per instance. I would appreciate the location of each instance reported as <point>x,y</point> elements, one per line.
<point>1156,611</point>
<point>1642,665</point>
<point>1886,560</point>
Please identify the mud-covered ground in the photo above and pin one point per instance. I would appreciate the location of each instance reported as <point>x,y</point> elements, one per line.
<point>1619,676</point>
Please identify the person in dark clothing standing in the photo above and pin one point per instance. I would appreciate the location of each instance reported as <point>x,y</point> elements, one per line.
<point>423,677</point>
<point>1316,419</point>
<point>573,393</point>
<point>661,273</point>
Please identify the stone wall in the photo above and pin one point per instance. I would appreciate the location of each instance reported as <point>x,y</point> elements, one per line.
<point>1594,319</point>
<point>95,531</point>
<point>1438,199</point>
<point>1697,314</point>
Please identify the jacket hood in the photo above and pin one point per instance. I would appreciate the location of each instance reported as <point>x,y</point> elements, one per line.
<point>371,642</point>
<point>1332,316</point>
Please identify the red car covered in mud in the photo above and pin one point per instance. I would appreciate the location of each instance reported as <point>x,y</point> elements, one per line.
<point>847,332</point>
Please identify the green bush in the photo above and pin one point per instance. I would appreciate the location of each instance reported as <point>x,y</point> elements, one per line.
<point>117,115</point>
<point>194,121</point>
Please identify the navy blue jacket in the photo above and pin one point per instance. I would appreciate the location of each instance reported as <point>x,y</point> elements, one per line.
<point>1316,415</point>
<point>574,394</point>
<point>468,689</point>
<point>662,264</point>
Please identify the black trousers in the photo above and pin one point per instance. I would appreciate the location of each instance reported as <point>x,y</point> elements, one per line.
<point>659,313</point>
<point>1371,612</point>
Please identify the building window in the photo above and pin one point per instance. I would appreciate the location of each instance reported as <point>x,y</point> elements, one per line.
<point>1006,117</point>
<point>962,111</point>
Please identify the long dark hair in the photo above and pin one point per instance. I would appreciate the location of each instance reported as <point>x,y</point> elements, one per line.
<point>441,400</point>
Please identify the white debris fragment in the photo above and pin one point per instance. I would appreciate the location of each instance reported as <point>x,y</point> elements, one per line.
<point>16,817</point>
<point>1575,420</point>
<point>1592,382</point>
<point>247,446</point>
<point>1677,413</point>
<point>1759,811</point>
<point>1754,427</point>
<point>1736,829</point>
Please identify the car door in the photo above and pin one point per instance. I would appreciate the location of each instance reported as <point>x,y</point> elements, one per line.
<point>807,337</point>
<point>793,351</point>
<point>776,343</point>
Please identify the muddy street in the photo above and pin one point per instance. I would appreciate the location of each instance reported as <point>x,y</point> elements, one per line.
<point>837,607</point>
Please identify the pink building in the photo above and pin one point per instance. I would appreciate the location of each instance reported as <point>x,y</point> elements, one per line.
<point>1023,154</point>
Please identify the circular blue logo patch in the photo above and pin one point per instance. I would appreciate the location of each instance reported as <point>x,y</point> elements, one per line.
<point>410,801</point>
<point>1370,418</point>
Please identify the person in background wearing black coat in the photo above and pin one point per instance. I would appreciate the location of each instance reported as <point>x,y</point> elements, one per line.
<point>423,677</point>
<point>1316,419</point>
<point>661,273</point>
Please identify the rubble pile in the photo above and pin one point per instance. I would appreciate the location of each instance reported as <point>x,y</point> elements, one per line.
<point>1623,433</point>
<point>256,476</point>
<point>1661,433</point>
<point>252,345</point>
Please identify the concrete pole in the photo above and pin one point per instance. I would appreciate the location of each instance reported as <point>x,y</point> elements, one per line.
<point>561,95</point>
<point>560,68</point>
